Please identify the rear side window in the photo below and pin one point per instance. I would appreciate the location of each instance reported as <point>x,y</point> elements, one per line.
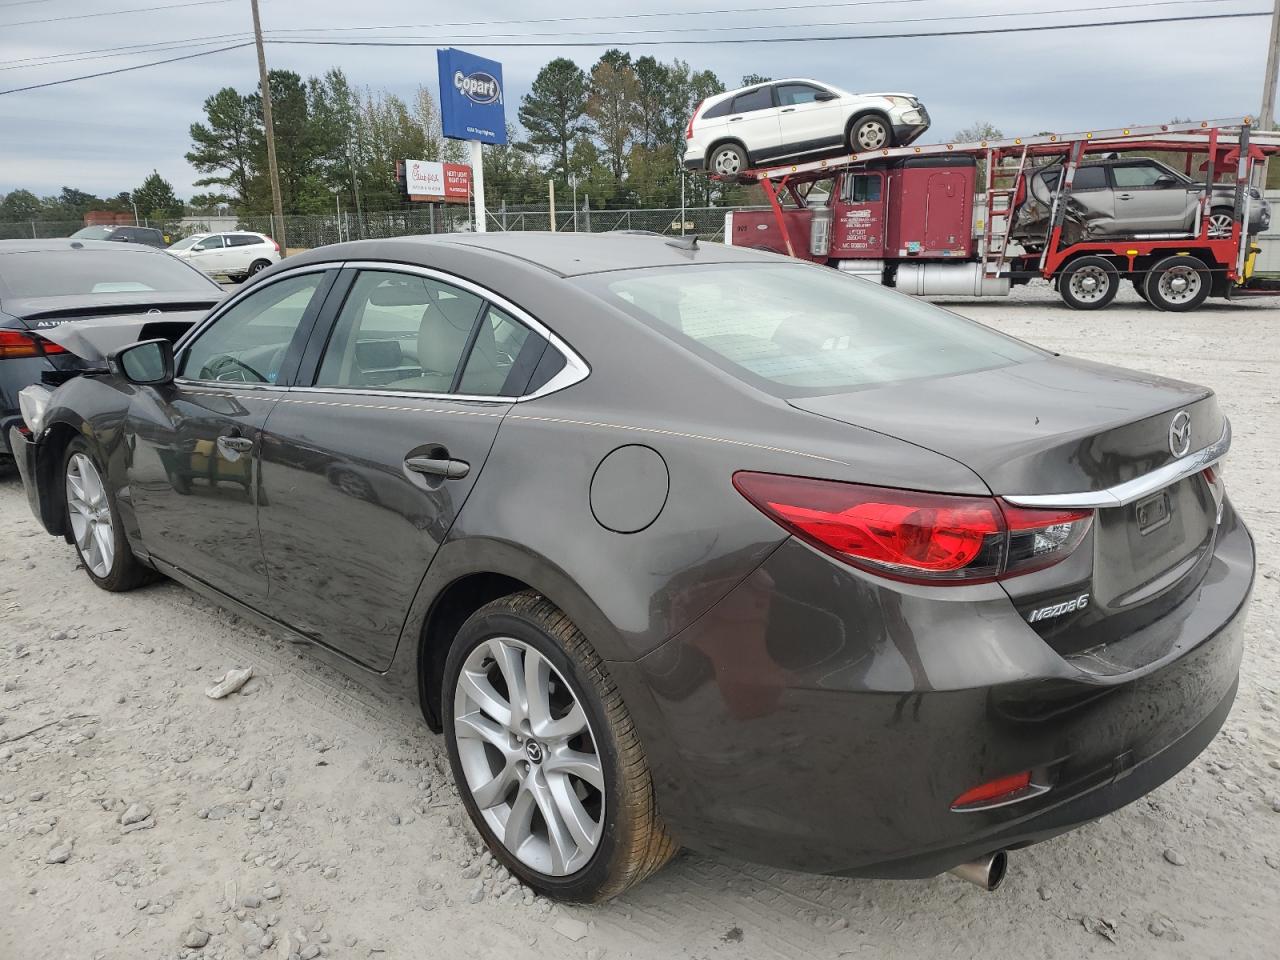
<point>794,330</point>
<point>1087,178</point>
<point>760,99</point>
<point>243,240</point>
<point>398,331</point>
<point>503,358</point>
<point>720,109</point>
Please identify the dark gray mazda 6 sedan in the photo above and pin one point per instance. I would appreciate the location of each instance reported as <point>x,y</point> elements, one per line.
<point>684,544</point>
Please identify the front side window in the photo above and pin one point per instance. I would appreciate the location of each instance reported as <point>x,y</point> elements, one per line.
<point>759,99</point>
<point>794,94</point>
<point>862,188</point>
<point>210,243</point>
<point>399,331</point>
<point>1137,176</point>
<point>248,343</point>
<point>185,243</point>
<point>794,330</point>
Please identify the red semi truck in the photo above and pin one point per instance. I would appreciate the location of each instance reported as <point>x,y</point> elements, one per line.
<point>918,217</point>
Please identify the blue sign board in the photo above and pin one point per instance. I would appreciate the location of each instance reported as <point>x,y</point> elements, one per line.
<point>471,99</point>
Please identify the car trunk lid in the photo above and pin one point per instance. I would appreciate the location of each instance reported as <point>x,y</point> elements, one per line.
<point>1047,431</point>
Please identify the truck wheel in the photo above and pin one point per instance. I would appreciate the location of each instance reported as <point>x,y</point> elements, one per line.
<point>870,133</point>
<point>1177,283</point>
<point>1089,283</point>
<point>727,160</point>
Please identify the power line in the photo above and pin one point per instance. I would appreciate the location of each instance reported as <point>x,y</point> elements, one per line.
<point>113,13</point>
<point>680,42</point>
<point>603,16</point>
<point>136,66</point>
<point>50,57</point>
<point>131,50</point>
<point>708,41</point>
<point>828,23</point>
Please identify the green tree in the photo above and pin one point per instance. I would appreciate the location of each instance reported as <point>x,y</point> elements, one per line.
<point>751,79</point>
<point>554,110</point>
<point>156,200</point>
<point>225,149</point>
<point>979,130</point>
<point>20,205</point>
<point>613,109</point>
<point>387,133</point>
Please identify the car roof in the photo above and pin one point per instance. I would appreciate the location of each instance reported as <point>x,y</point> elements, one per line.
<point>67,245</point>
<point>769,83</point>
<point>564,254</point>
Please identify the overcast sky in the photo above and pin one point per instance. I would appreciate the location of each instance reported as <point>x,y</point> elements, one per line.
<point>105,135</point>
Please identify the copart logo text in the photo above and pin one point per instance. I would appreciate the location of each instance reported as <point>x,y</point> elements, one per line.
<point>477,87</point>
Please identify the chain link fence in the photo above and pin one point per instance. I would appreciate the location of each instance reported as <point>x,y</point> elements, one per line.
<point>314,230</point>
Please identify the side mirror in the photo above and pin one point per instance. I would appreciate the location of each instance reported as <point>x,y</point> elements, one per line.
<point>1164,180</point>
<point>148,364</point>
<point>823,95</point>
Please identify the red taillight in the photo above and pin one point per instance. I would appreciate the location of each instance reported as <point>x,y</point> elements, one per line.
<point>914,536</point>
<point>688,128</point>
<point>993,791</point>
<point>18,343</point>
<point>276,245</point>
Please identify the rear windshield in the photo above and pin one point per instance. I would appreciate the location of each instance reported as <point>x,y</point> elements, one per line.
<point>75,273</point>
<point>797,330</point>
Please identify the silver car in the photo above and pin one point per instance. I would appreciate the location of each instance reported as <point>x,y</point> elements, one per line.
<point>1127,197</point>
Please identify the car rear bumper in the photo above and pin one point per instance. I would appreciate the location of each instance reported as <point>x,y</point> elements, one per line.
<point>783,731</point>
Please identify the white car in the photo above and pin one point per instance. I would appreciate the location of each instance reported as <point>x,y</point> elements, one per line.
<point>237,255</point>
<point>795,119</point>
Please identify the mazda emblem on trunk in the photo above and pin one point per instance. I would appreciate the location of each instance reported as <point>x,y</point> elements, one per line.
<point>1180,433</point>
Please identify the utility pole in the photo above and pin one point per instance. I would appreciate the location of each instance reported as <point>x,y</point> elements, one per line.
<point>1266,118</point>
<point>276,202</point>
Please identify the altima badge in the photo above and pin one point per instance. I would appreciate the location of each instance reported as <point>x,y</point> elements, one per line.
<point>1180,434</point>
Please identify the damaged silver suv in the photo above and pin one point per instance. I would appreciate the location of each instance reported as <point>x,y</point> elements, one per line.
<point>1129,197</point>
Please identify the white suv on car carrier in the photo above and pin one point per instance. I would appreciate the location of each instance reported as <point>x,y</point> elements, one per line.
<point>790,119</point>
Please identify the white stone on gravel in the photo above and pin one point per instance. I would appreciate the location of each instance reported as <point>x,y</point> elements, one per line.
<point>136,813</point>
<point>61,852</point>
<point>195,938</point>
<point>1174,857</point>
<point>229,682</point>
<point>570,928</point>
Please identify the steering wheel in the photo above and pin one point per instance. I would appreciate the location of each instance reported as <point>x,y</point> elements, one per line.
<point>217,369</point>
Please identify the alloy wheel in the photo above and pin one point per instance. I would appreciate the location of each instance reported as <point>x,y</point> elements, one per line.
<point>90,515</point>
<point>1089,284</point>
<point>529,756</point>
<point>872,135</point>
<point>1220,226</point>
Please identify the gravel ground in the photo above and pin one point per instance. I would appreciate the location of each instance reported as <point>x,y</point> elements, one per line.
<point>307,816</point>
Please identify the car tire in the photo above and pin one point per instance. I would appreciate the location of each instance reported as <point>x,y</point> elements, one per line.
<point>257,267</point>
<point>1089,283</point>
<point>1177,284</point>
<point>1221,222</point>
<point>871,132</point>
<point>93,519</point>
<point>727,160</point>
<point>611,836</point>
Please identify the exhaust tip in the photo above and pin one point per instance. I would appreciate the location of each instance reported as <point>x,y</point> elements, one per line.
<point>986,872</point>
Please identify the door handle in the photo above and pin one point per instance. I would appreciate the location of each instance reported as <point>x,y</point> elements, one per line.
<point>1124,196</point>
<point>788,110</point>
<point>733,119</point>
<point>431,467</point>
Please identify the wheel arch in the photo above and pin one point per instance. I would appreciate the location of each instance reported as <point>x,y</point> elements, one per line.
<point>465,575</point>
<point>720,142</point>
<point>53,450</point>
<point>862,114</point>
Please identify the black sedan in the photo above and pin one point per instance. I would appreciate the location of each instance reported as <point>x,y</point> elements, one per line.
<point>45,284</point>
<point>685,544</point>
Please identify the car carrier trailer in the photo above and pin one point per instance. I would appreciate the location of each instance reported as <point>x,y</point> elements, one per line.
<point>906,217</point>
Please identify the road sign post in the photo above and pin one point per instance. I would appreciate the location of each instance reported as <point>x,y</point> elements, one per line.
<point>472,109</point>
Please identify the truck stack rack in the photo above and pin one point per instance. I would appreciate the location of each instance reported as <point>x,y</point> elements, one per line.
<point>1223,144</point>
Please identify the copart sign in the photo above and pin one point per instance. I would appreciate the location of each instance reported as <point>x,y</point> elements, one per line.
<point>471,97</point>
